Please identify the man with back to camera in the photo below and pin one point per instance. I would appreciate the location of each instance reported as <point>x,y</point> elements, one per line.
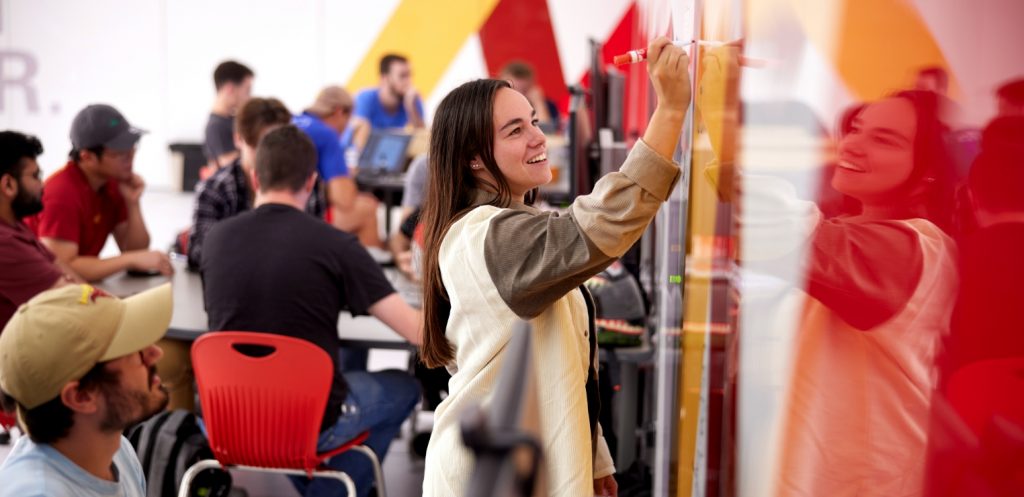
<point>324,122</point>
<point>394,103</point>
<point>308,272</point>
<point>94,195</point>
<point>233,82</point>
<point>229,191</point>
<point>79,367</point>
<point>26,266</point>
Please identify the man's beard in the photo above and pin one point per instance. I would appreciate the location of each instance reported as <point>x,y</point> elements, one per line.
<point>25,205</point>
<point>122,405</point>
<point>394,91</point>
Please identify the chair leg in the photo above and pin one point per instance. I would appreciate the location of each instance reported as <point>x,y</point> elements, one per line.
<point>378,472</point>
<point>346,480</point>
<point>191,473</point>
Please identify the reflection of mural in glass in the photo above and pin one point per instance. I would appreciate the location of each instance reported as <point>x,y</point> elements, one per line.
<point>849,322</point>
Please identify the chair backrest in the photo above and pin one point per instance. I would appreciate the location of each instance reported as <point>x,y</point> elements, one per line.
<point>262,411</point>
<point>7,420</point>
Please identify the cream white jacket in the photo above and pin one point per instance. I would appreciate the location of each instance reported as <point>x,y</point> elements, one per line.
<point>499,265</point>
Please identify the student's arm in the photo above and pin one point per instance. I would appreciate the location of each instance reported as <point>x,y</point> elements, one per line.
<point>226,158</point>
<point>211,206</point>
<point>131,234</point>
<point>70,275</point>
<point>360,132</point>
<point>535,259</point>
<point>864,272</point>
<point>95,269</point>
<point>341,194</point>
<point>399,316</point>
<point>414,109</point>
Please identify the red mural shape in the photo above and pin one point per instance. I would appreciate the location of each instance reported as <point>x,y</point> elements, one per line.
<point>524,16</point>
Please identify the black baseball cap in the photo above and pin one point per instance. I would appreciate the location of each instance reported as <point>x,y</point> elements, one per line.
<point>101,124</point>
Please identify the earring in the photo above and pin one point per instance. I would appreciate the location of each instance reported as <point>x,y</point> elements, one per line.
<point>474,165</point>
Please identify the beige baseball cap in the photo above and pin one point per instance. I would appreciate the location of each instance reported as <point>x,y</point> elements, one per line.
<point>60,334</point>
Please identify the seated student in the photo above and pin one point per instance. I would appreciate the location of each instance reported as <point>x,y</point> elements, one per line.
<point>276,270</point>
<point>324,122</point>
<point>97,194</point>
<point>233,82</point>
<point>400,242</point>
<point>229,192</point>
<point>520,75</point>
<point>78,365</point>
<point>394,103</point>
<point>26,266</point>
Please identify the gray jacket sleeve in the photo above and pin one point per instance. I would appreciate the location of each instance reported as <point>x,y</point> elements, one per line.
<point>535,258</point>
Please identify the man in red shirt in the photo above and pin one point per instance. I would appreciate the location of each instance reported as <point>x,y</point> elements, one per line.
<point>26,266</point>
<point>97,194</point>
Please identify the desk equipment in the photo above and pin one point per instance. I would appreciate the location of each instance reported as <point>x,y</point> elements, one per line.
<point>384,154</point>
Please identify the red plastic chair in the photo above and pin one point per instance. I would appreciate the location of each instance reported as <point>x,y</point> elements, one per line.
<point>7,420</point>
<point>264,413</point>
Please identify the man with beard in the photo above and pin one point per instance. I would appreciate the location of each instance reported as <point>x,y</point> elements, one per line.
<point>26,266</point>
<point>393,104</point>
<point>95,195</point>
<point>79,365</point>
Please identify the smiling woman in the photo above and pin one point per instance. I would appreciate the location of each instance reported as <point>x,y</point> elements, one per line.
<point>492,259</point>
<point>519,145</point>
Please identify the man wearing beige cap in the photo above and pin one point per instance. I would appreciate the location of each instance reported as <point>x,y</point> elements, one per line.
<point>80,367</point>
<point>324,122</point>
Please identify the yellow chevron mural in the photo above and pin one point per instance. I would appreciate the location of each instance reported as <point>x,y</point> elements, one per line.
<point>429,33</point>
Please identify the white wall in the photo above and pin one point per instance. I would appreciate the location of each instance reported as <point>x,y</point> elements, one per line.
<point>154,61</point>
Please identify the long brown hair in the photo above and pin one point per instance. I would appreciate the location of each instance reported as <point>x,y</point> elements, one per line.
<point>463,129</point>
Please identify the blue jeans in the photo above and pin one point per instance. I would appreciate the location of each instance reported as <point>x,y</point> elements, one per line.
<point>352,359</point>
<point>377,402</point>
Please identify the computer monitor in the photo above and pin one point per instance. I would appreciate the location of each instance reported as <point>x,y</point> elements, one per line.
<point>384,153</point>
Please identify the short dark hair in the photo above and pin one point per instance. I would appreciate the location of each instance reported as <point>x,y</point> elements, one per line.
<point>996,175</point>
<point>51,421</point>
<point>14,147</point>
<point>256,115</point>
<point>388,59</point>
<point>285,159</point>
<point>230,71</point>
<point>76,153</point>
<point>518,69</point>
<point>1012,91</point>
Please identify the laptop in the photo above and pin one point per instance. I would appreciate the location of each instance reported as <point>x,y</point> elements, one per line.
<point>384,156</point>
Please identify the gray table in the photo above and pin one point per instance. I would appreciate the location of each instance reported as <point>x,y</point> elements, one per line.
<point>189,319</point>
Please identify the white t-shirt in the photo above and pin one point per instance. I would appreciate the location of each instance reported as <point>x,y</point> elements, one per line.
<point>37,470</point>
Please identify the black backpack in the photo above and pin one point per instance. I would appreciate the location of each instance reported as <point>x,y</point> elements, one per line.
<point>167,445</point>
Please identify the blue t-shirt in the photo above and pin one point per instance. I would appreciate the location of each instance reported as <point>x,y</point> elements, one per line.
<point>38,470</point>
<point>330,156</point>
<point>368,107</point>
